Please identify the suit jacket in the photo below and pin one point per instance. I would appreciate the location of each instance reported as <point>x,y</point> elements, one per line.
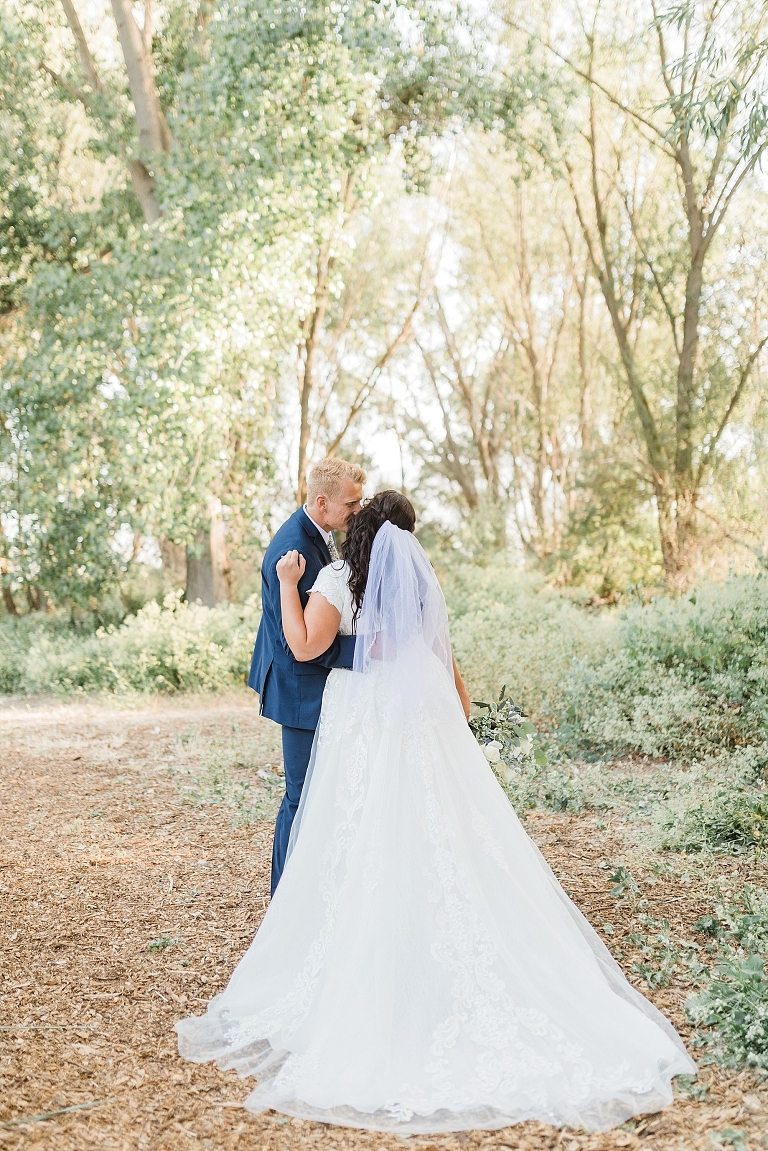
<point>291,693</point>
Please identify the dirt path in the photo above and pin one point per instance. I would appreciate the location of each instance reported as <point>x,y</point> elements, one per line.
<point>127,897</point>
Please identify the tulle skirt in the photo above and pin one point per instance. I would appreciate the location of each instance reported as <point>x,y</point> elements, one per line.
<point>419,968</point>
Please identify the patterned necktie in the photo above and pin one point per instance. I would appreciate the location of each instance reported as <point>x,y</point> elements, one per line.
<point>332,548</point>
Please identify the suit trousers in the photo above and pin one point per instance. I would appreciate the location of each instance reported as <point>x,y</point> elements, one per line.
<point>297,749</point>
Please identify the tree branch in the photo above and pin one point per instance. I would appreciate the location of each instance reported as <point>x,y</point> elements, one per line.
<point>604,273</point>
<point>70,88</point>
<point>86,59</point>
<point>737,393</point>
<point>370,384</point>
<point>652,269</point>
<point>452,458</point>
<point>154,134</point>
<point>633,115</point>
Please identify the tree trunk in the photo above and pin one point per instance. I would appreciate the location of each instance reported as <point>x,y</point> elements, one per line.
<point>174,557</point>
<point>540,466</point>
<point>585,397</point>
<point>86,59</point>
<point>146,31</point>
<point>208,566</point>
<point>665,514</point>
<point>9,601</point>
<point>144,188</point>
<point>685,480</point>
<point>34,598</point>
<point>312,332</point>
<point>154,134</point>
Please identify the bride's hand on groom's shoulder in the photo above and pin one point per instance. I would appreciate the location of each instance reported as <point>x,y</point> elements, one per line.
<point>290,567</point>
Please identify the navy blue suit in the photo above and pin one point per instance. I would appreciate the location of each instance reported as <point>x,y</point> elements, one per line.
<point>291,693</point>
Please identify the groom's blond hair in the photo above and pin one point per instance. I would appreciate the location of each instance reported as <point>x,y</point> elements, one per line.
<point>327,476</point>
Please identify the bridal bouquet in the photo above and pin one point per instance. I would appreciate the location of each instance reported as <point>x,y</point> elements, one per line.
<point>507,737</point>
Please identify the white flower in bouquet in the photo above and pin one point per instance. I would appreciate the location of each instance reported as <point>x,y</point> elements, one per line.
<point>517,744</point>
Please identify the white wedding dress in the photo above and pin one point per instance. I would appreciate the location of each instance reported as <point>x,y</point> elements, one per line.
<point>419,968</point>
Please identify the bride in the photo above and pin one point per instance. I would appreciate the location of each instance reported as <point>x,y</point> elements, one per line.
<point>419,968</point>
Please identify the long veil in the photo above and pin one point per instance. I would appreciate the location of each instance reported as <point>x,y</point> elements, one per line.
<point>403,615</point>
<point>402,641</point>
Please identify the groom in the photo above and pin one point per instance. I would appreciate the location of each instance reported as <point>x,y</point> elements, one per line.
<point>292,692</point>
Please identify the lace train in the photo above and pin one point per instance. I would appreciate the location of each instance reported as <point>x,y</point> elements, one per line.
<point>419,968</point>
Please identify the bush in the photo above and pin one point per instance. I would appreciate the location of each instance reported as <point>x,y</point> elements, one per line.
<point>722,806</point>
<point>509,628</point>
<point>742,924</point>
<point>735,1007</point>
<point>176,647</point>
<point>678,678</point>
<point>686,679</point>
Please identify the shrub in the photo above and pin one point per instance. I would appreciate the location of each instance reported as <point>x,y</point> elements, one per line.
<point>742,924</point>
<point>509,628</point>
<point>734,1006</point>
<point>173,647</point>
<point>662,956</point>
<point>556,787</point>
<point>687,678</point>
<point>719,807</point>
<point>683,678</point>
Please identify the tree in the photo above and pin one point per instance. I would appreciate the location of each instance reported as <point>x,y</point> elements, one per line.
<point>293,110</point>
<point>507,354</point>
<point>373,279</point>
<point>130,399</point>
<point>164,322</point>
<point>655,154</point>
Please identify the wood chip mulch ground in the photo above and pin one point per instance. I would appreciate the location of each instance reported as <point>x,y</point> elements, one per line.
<point>123,906</point>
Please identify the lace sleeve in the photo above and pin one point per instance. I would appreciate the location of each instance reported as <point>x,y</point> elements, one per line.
<point>330,583</point>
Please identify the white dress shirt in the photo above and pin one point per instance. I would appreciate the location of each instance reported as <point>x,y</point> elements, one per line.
<point>330,541</point>
<point>326,535</point>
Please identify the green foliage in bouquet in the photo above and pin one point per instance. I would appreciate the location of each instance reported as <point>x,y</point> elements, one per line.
<point>511,745</point>
<point>505,734</point>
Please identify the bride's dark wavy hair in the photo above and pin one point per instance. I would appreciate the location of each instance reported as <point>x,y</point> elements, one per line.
<point>361,531</point>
